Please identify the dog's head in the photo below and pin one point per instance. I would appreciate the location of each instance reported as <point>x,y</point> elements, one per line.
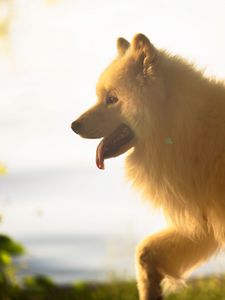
<point>123,90</point>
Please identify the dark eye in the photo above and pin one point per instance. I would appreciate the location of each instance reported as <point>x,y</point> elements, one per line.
<point>111,100</point>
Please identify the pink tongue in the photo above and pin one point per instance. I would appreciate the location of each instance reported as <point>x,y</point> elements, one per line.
<point>99,156</point>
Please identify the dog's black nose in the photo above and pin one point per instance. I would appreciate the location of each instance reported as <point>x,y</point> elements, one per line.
<point>76,126</point>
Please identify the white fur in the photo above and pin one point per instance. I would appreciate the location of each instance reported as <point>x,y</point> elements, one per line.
<point>178,161</point>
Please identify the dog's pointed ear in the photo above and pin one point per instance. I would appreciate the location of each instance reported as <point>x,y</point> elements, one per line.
<point>143,50</point>
<point>122,46</point>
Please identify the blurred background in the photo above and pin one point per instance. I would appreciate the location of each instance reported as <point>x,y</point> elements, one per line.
<point>77,222</point>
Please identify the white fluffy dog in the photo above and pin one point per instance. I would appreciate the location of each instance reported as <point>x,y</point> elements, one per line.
<point>172,120</point>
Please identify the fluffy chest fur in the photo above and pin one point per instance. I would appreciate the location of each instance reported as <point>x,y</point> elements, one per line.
<point>181,167</point>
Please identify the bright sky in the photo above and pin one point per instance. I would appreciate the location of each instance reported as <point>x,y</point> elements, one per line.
<point>57,53</point>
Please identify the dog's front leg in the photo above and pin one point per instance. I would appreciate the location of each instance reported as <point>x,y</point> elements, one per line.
<point>169,254</point>
<point>149,282</point>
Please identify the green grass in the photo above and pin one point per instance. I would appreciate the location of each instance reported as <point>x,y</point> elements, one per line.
<point>202,289</point>
<point>41,288</point>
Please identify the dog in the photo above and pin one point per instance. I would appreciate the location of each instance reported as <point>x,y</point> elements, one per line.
<point>170,119</point>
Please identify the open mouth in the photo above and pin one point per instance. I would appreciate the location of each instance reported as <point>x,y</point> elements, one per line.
<point>118,142</point>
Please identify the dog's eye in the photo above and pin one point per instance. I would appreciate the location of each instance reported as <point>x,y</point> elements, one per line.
<point>111,100</point>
